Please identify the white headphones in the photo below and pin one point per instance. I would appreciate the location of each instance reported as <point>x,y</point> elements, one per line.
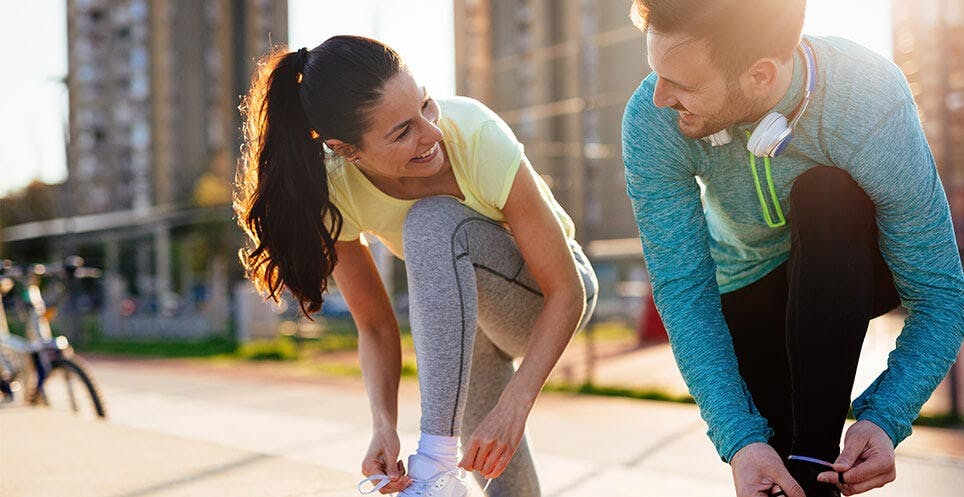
<point>775,131</point>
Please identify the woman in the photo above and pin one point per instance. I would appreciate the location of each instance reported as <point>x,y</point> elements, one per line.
<point>493,271</point>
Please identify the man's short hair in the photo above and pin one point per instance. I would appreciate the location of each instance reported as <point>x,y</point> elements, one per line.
<point>738,32</point>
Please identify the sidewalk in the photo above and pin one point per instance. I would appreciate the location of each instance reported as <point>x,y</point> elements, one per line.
<point>183,428</point>
<point>654,367</point>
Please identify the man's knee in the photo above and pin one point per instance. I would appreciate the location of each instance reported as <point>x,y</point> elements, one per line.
<point>827,196</point>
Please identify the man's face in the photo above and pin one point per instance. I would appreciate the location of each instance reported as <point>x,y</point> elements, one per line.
<point>707,99</point>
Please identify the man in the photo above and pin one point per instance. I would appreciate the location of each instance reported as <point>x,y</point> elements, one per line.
<point>766,281</point>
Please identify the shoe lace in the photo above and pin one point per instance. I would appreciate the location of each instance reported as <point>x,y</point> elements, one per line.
<point>378,481</point>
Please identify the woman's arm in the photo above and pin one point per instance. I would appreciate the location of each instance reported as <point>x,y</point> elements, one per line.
<point>549,258</point>
<point>379,351</point>
<point>547,254</point>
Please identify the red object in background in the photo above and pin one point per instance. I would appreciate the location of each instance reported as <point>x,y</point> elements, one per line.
<point>650,329</point>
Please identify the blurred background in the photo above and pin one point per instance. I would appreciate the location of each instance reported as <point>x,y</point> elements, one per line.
<point>122,135</point>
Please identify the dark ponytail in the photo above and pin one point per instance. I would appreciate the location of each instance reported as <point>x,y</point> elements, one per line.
<point>297,100</point>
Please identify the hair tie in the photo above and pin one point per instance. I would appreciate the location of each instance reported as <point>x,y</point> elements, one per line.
<point>302,57</point>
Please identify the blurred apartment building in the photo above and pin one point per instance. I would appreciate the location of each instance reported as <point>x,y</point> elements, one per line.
<point>560,73</point>
<point>929,48</point>
<point>154,87</point>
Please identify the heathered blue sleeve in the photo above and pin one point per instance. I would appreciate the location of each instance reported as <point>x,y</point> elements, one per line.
<point>889,157</point>
<point>660,181</point>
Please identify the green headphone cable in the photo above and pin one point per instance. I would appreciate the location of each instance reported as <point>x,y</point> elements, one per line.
<point>773,192</point>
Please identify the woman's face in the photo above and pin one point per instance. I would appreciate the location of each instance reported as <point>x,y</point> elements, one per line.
<point>403,138</point>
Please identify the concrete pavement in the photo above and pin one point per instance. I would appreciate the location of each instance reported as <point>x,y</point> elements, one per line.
<point>654,367</point>
<point>187,428</point>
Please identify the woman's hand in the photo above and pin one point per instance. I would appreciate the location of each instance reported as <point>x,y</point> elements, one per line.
<point>382,458</point>
<point>496,439</point>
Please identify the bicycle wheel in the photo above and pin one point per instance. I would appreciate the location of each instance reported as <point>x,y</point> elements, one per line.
<point>70,387</point>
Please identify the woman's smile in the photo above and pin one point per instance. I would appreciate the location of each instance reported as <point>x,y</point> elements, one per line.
<point>428,155</point>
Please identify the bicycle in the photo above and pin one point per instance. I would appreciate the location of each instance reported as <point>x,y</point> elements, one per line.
<point>40,368</point>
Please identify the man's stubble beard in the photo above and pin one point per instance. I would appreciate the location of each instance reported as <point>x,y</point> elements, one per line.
<point>737,109</point>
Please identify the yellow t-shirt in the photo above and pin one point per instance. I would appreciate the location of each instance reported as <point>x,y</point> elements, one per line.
<point>485,156</point>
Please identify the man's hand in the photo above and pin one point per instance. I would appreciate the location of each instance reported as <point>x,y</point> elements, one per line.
<point>866,462</point>
<point>758,471</point>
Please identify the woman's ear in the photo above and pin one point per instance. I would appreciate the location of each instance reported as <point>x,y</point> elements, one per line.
<point>343,149</point>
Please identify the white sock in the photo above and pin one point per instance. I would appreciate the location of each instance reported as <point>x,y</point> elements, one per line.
<point>441,449</point>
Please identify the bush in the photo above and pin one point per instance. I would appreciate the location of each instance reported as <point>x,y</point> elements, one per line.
<point>212,346</point>
<point>275,349</point>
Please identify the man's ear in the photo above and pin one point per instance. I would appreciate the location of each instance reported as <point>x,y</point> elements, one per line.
<point>343,149</point>
<point>762,76</point>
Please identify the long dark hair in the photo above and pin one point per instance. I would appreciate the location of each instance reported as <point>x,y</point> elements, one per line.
<point>297,100</point>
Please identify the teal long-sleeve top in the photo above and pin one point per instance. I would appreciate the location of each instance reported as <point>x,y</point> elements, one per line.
<point>862,119</point>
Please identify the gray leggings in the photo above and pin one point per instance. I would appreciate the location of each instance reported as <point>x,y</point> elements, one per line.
<point>472,304</point>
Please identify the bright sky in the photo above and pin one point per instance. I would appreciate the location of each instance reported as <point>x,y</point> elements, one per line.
<point>33,47</point>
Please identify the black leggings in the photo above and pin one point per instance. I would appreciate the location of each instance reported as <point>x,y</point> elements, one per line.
<point>798,331</point>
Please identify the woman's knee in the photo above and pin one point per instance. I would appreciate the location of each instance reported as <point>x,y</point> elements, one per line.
<point>428,218</point>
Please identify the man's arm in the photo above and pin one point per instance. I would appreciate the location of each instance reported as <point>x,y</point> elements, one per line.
<point>666,203</point>
<point>894,165</point>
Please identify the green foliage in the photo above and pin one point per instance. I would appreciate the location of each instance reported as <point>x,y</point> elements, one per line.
<point>275,349</point>
<point>940,421</point>
<point>630,393</point>
<point>160,348</point>
<point>409,370</point>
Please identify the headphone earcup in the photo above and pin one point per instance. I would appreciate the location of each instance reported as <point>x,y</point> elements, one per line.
<point>719,138</point>
<point>766,134</point>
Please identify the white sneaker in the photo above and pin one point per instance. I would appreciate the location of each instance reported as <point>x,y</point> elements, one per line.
<point>430,479</point>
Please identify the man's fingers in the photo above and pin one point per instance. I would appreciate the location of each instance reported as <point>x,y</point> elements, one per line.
<point>867,470</point>
<point>854,445</point>
<point>859,488</point>
<point>849,455</point>
<point>789,486</point>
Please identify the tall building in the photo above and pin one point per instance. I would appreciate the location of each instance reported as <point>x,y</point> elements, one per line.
<point>154,88</point>
<point>560,73</point>
<point>929,48</point>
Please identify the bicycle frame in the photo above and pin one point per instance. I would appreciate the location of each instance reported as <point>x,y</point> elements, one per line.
<point>39,342</point>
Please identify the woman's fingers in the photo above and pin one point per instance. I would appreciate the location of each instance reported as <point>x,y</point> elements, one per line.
<point>373,466</point>
<point>501,463</point>
<point>485,450</point>
<point>397,486</point>
<point>395,471</point>
<point>488,464</point>
<point>468,460</point>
